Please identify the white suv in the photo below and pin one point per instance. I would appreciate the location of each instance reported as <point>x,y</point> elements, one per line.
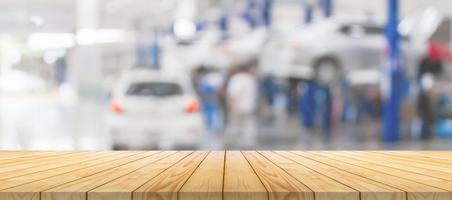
<point>153,110</point>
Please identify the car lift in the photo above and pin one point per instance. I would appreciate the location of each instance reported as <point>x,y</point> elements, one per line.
<point>393,94</point>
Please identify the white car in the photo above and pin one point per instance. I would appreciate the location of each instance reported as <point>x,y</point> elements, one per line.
<point>340,45</point>
<point>153,110</point>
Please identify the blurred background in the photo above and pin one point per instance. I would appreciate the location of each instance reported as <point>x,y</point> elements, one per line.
<point>225,74</point>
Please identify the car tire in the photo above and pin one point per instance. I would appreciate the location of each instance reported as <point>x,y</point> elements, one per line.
<point>118,147</point>
<point>327,71</point>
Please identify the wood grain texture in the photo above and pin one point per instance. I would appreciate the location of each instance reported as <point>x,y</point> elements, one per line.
<point>32,177</point>
<point>323,187</point>
<point>78,189</point>
<point>369,189</point>
<point>414,190</point>
<point>240,181</point>
<point>122,188</point>
<point>434,178</point>
<point>33,189</point>
<point>235,175</point>
<point>167,184</point>
<point>278,183</point>
<point>207,181</point>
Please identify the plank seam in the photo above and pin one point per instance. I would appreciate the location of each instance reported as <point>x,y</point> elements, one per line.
<point>199,164</point>
<point>406,193</point>
<point>313,192</point>
<point>132,171</point>
<point>386,174</point>
<point>86,194</point>
<point>319,172</point>
<point>158,152</point>
<point>395,174</point>
<point>49,176</point>
<point>255,173</point>
<point>32,157</point>
<point>47,169</point>
<point>224,174</point>
<point>131,192</point>
<point>407,159</point>
<point>57,157</point>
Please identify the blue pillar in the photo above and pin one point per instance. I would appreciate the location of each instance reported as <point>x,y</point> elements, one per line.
<point>391,112</point>
<point>249,15</point>
<point>266,12</point>
<point>327,7</point>
<point>308,12</point>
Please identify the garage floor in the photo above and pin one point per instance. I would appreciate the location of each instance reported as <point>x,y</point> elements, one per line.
<point>44,122</point>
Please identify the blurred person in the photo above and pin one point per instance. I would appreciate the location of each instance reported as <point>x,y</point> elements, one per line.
<point>242,91</point>
<point>61,70</point>
<point>428,68</point>
<point>268,89</point>
<point>425,106</point>
<point>316,106</point>
<point>223,92</point>
<point>196,77</point>
<point>209,89</point>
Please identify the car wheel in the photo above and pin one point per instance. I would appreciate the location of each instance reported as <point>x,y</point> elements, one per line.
<point>118,147</point>
<point>327,71</point>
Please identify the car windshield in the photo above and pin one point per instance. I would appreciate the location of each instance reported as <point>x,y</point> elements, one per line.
<point>365,29</point>
<point>154,89</point>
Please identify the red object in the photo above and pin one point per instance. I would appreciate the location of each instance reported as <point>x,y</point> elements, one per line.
<point>438,51</point>
<point>192,105</point>
<point>116,107</point>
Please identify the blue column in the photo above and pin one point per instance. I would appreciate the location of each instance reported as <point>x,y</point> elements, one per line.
<point>327,7</point>
<point>249,15</point>
<point>391,112</point>
<point>308,12</point>
<point>266,12</point>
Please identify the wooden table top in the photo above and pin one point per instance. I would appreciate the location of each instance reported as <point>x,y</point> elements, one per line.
<point>226,175</point>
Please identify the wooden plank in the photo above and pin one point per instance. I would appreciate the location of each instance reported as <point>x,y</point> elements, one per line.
<point>167,184</point>
<point>414,190</point>
<point>32,190</point>
<point>16,154</point>
<point>432,164</point>
<point>78,189</point>
<point>207,181</point>
<point>369,189</point>
<point>226,175</point>
<point>278,183</point>
<point>240,181</point>
<point>322,186</point>
<point>69,160</point>
<point>122,188</point>
<point>31,177</point>
<point>18,157</point>
<point>397,164</point>
<point>38,161</point>
<point>442,155</point>
<point>417,177</point>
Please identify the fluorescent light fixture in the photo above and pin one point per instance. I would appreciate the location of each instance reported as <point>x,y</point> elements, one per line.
<point>93,36</point>
<point>44,41</point>
<point>184,29</point>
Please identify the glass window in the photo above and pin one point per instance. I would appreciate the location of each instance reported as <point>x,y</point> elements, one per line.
<point>154,89</point>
